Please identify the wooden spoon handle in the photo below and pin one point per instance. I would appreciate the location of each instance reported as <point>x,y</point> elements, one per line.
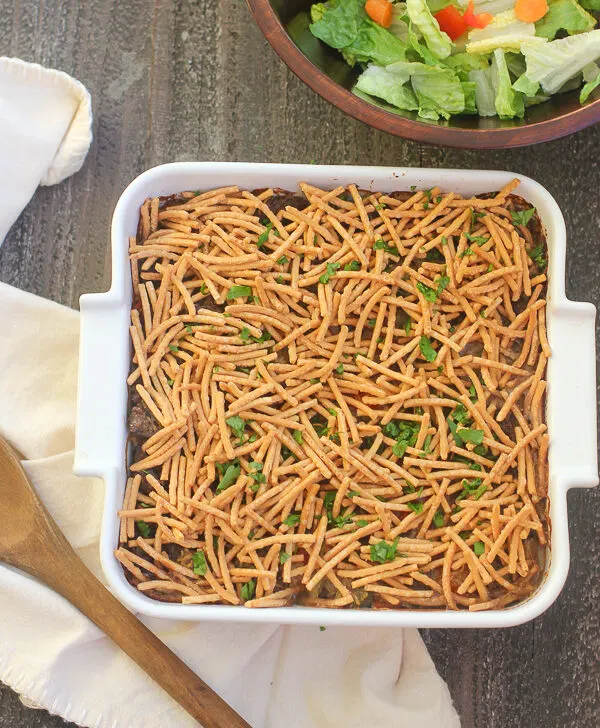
<point>83,590</point>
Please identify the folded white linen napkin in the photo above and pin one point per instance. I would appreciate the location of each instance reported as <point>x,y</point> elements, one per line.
<point>45,132</point>
<point>276,677</point>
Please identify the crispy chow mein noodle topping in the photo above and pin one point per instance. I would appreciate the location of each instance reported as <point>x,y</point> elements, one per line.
<point>337,398</point>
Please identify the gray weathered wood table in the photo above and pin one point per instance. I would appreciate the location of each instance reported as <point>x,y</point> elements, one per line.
<point>189,80</point>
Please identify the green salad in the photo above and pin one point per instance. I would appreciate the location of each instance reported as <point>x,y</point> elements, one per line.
<point>444,57</point>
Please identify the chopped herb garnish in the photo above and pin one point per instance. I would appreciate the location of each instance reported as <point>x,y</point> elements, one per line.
<point>438,519</point>
<point>245,334</point>
<point>474,436</point>
<point>292,520</point>
<point>472,393</point>
<point>248,590</point>
<point>361,523</point>
<point>407,327</point>
<point>297,435</point>
<point>441,283</point>
<point>204,289</point>
<point>282,261</point>
<point>522,217</point>
<point>383,552</point>
<point>173,348</point>
<point>416,506</point>
<point>476,239</point>
<point>199,562</point>
<point>332,411</point>
<point>283,557</point>
<point>478,548</point>
<point>331,269</point>
<point>428,293</point>
<point>264,236</point>
<point>143,528</point>
<point>237,424</point>
<point>229,476</point>
<point>279,280</point>
<point>382,245</point>
<point>322,629</point>
<point>239,292</point>
<point>313,381</point>
<point>466,251</point>
<point>429,353</point>
<point>490,268</point>
<point>339,369</point>
<point>171,382</point>
<point>538,257</point>
<point>352,265</point>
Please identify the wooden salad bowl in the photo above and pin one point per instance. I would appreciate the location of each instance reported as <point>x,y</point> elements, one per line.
<point>284,24</point>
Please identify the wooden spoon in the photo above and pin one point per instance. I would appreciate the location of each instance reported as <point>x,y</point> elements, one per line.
<point>31,541</point>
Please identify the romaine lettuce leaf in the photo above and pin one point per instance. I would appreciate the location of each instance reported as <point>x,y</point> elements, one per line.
<point>591,4</point>
<point>439,92</point>
<point>345,25</point>
<point>337,24</point>
<point>553,64</point>
<point>591,76</point>
<point>399,26</point>
<point>565,15</point>
<point>467,61</point>
<point>437,41</point>
<point>389,86</point>
<point>469,90</point>
<point>485,95</point>
<point>525,86</point>
<point>436,92</point>
<point>374,43</point>
<point>505,31</point>
<point>419,52</point>
<point>509,103</point>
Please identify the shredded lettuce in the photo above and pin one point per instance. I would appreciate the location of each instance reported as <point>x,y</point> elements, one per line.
<point>484,91</point>
<point>389,85</point>
<point>399,26</point>
<point>505,31</point>
<point>344,25</point>
<point>436,40</point>
<point>470,93</point>
<point>467,61</point>
<point>565,15</point>
<point>525,86</point>
<point>418,51</point>
<point>591,76</point>
<point>439,92</point>
<point>509,103</point>
<point>553,64</point>
<point>435,92</point>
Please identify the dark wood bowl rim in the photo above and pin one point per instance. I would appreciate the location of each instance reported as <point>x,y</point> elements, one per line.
<point>533,133</point>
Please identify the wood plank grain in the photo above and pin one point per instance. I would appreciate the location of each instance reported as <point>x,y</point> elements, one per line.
<point>194,80</point>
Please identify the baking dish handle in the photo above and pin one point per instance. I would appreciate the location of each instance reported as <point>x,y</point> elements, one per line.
<point>572,417</point>
<point>102,388</point>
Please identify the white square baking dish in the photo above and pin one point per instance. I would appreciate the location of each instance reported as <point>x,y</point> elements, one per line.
<point>105,357</point>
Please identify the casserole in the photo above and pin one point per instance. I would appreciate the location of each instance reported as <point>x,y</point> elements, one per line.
<point>105,357</point>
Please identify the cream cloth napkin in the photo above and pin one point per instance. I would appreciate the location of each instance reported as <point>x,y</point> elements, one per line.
<point>276,677</point>
<point>45,132</point>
